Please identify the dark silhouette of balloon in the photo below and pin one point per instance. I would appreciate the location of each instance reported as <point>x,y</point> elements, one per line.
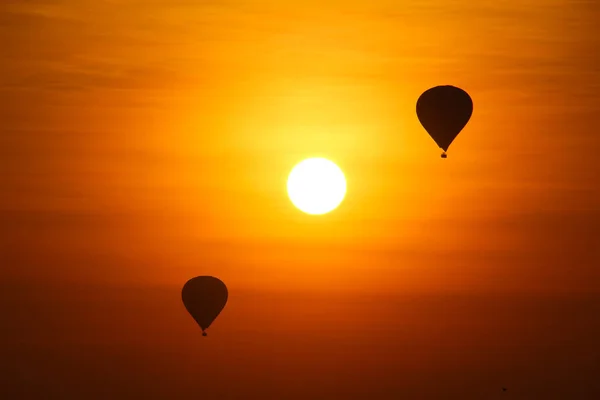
<point>204,297</point>
<point>444,111</point>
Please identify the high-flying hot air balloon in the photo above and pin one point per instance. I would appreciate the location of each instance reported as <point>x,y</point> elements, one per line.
<point>204,297</point>
<point>444,111</point>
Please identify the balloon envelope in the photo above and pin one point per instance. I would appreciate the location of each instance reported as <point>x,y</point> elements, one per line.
<point>444,111</point>
<point>204,297</point>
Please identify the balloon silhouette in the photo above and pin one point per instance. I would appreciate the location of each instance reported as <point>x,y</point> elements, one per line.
<point>444,111</point>
<point>204,297</point>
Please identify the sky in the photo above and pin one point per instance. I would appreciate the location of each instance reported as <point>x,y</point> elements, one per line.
<point>144,142</point>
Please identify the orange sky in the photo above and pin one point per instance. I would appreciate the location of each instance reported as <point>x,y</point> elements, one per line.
<point>161,133</point>
<point>144,142</point>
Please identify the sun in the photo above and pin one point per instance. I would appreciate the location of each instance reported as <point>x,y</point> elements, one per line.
<point>316,186</point>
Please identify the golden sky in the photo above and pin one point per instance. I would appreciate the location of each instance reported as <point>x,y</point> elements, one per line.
<point>144,142</point>
<point>159,134</point>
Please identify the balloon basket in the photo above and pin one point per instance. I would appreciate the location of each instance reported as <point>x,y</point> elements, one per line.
<point>444,155</point>
<point>204,334</point>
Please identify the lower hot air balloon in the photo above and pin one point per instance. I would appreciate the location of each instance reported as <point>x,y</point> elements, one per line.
<point>204,297</point>
<point>444,111</point>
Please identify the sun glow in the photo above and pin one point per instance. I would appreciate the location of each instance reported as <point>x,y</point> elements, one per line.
<point>316,186</point>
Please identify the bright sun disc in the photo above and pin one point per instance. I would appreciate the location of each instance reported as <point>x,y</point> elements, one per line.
<point>316,186</point>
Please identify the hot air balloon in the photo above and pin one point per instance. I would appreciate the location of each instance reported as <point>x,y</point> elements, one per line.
<point>204,297</point>
<point>444,111</point>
